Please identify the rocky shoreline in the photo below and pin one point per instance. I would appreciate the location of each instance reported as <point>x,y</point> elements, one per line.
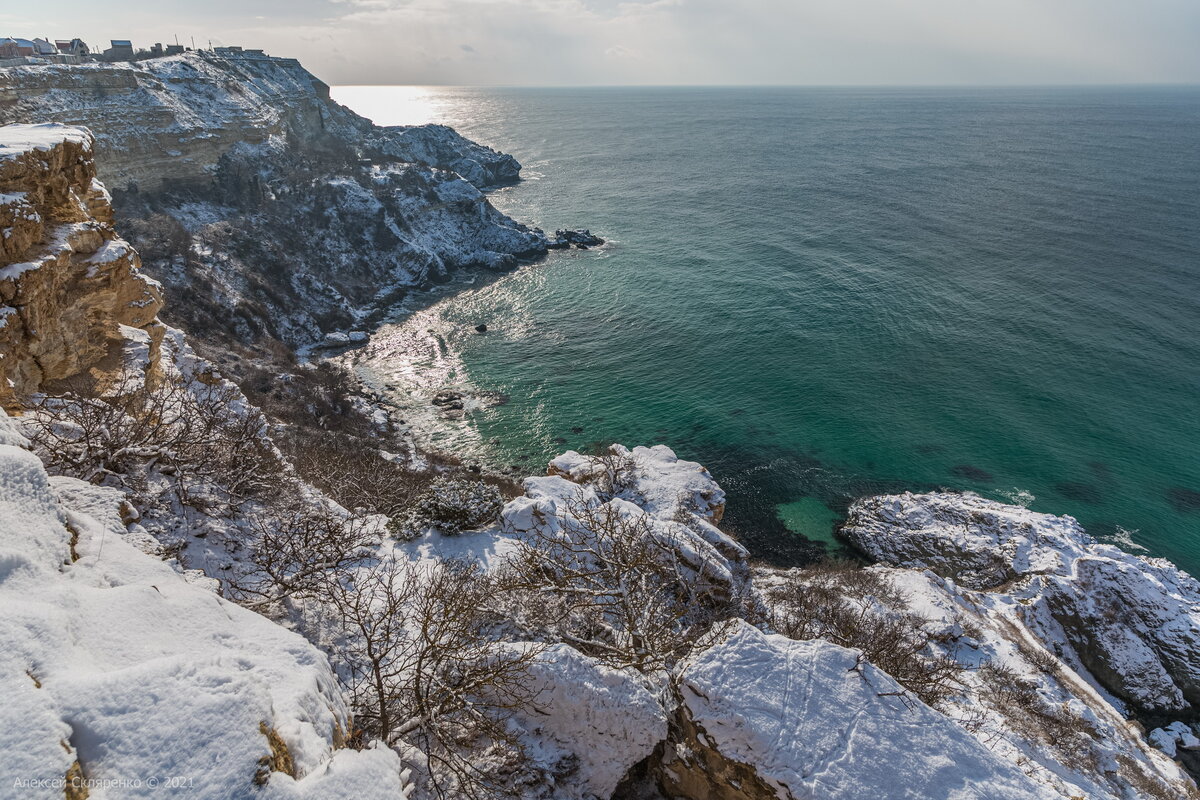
<point>238,553</point>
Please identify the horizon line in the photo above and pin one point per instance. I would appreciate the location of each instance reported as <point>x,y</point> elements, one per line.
<point>1089,85</point>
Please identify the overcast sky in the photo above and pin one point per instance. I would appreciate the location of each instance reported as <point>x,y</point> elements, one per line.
<point>611,42</point>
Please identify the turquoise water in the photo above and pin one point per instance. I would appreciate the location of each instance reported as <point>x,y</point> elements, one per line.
<point>826,293</point>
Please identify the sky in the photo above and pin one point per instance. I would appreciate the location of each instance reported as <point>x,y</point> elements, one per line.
<point>666,42</point>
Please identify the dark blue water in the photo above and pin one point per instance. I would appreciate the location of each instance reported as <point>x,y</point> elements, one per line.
<point>825,293</point>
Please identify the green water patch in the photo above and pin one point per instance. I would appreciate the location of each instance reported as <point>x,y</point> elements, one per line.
<point>811,518</point>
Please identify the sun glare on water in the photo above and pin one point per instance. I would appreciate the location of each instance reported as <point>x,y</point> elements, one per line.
<point>390,105</point>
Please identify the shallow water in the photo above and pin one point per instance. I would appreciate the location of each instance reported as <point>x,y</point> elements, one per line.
<point>825,293</point>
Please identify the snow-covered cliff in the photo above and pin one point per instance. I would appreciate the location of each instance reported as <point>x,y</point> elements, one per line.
<point>1133,623</point>
<point>269,212</point>
<point>167,122</point>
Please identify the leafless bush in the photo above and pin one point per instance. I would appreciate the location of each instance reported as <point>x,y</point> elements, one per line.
<point>862,609</point>
<point>1037,720</point>
<point>614,472</point>
<point>424,669</point>
<point>354,473</point>
<point>200,433</point>
<point>320,396</point>
<point>606,581</point>
<point>297,551</point>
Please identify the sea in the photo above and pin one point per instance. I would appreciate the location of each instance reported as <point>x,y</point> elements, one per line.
<point>827,293</point>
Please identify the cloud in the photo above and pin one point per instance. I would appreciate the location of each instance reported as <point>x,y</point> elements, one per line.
<point>557,42</point>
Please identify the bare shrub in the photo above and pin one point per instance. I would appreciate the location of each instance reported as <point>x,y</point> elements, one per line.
<point>297,551</point>
<point>424,669</point>
<point>613,472</point>
<point>862,609</point>
<point>320,396</point>
<point>355,473</point>
<point>202,434</point>
<point>1037,720</point>
<point>610,584</point>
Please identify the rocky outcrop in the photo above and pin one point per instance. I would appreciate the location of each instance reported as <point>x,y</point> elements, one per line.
<point>270,213</point>
<point>766,717</point>
<point>70,288</point>
<point>1132,622</point>
<point>443,147</point>
<point>581,239</point>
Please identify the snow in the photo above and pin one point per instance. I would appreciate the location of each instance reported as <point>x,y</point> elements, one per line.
<point>817,723</point>
<point>117,661</point>
<point>606,717</point>
<point>17,139</point>
<point>1174,736</point>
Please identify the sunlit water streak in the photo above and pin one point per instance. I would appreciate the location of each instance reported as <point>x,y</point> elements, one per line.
<point>826,293</point>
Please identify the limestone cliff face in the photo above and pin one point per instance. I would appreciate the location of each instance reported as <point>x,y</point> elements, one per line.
<point>68,283</point>
<point>167,122</point>
<point>270,213</point>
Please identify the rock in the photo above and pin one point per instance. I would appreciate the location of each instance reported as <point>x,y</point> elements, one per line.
<point>72,294</point>
<point>763,716</point>
<point>1132,622</point>
<point>481,328</point>
<point>448,398</point>
<point>581,239</point>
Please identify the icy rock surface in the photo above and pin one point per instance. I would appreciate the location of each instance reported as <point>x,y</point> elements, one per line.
<point>1132,622</point>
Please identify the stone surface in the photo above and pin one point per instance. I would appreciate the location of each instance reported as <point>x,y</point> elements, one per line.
<point>69,286</point>
<point>1132,622</point>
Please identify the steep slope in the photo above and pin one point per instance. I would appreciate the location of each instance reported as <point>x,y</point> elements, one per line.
<point>271,213</point>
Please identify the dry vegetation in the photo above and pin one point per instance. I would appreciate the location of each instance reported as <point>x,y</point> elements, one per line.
<point>861,609</point>
<point>602,579</point>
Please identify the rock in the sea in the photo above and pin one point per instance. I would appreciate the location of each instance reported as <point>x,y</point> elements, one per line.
<point>582,239</point>
<point>1132,622</point>
<point>448,400</point>
<point>481,328</point>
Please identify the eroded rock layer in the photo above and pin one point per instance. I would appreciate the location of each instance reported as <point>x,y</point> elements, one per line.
<point>68,283</point>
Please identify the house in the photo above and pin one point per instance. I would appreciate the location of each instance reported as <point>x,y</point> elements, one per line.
<point>16,48</point>
<point>174,49</point>
<point>44,47</point>
<point>121,50</point>
<point>71,47</point>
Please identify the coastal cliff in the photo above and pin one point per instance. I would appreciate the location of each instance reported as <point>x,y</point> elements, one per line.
<point>279,214</point>
<point>279,601</point>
